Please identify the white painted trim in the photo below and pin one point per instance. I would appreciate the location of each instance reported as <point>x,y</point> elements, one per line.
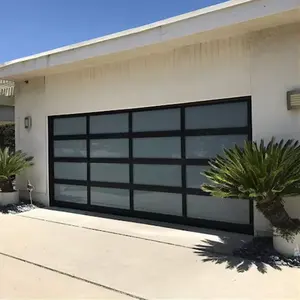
<point>208,19</point>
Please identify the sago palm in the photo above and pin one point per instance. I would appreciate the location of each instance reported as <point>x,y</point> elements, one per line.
<point>264,173</point>
<point>12,164</point>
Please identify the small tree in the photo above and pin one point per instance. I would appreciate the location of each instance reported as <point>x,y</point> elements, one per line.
<point>262,173</point>
<point>12,164</point>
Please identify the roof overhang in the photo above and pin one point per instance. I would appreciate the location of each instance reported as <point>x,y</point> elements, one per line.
<point>229,18</point>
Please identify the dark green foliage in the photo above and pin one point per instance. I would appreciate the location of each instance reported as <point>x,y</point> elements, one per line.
<point>12,164</point>
<point>7,136</point>
<point>264,173</point>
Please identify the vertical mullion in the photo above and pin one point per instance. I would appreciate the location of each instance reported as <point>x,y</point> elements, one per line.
<point>183,165</point>
<point>51,160</point>
<point>249,124</point>
<point>249,121</point>
<point>130,161</point>
<point>88,183</point>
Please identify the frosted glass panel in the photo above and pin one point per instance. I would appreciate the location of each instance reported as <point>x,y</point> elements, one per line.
<point>70,193</point>
<point>216,116</point>
<point>156,120</point>
<point>65,126</point>
<point>164,203</point>
<point>216,209</point>
<point>165,147</point>
<point>72,148</point>
<point>210,146</point>
<point>194,178</point>
<point>68,170</point>
<point>109,123</point>
<point>157,174</point>
<point>118,198</point>
<point>110,172</point>
<point>110,148</point>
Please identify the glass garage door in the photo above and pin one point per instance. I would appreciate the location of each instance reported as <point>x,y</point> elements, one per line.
<point>148,162</point>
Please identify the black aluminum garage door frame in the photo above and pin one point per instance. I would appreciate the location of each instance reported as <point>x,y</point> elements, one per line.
<point>233,227</point>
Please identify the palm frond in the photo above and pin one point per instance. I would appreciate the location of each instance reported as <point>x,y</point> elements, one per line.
<point>256,169</point>
<point>264,173</point>
<point>13,163</point>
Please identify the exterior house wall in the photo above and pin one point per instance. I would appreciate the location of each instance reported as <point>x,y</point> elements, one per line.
<point>263,64</point>
<point>275,69</point>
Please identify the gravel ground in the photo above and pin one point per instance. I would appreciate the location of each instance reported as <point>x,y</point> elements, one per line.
<point>18,208</point>
<point>261,249</point>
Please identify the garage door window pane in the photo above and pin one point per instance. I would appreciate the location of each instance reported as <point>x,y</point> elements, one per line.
<point>216,116</point>
<point>109,123</point>
<point>216,209</point>
<point>157,175</point>
<point>167,147</point>
<point>156,120</point>
<point>66,126</point>
<point>68,170</point>
<point>117,198</point>
<point>70,193</point>
<point>210,146</point>
<point>194,178</point>
<point>72,148</point>
<point>163,203</point>
<point>110,148</point>
<point>110,172</point>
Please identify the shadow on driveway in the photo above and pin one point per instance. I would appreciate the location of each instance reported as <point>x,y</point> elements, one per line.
<point>217,252</point>
<point>220,251</point>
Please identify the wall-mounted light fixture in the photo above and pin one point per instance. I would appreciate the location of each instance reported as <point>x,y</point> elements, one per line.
<point>293,99</point>
<point>27,122</point>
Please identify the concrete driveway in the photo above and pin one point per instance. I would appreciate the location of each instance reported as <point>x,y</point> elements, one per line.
<point>56,254</point>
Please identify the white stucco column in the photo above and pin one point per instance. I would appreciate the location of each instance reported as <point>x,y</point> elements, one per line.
<point>275,69</point>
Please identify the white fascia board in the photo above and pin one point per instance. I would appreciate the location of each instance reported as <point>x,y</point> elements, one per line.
<point>199,21</point>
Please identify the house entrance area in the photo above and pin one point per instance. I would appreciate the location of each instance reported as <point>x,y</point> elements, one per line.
<point>148,162</point>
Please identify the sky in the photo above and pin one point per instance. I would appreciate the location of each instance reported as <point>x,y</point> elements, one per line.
<point>33,26</point>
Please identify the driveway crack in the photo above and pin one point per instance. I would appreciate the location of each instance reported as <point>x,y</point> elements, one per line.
<point>109,232</point>
<point>73,276</point>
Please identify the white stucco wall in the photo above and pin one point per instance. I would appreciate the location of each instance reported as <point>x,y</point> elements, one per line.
<point>264,64</point>
<point>275,69</point>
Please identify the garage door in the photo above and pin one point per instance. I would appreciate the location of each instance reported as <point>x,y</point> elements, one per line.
<point>148,162</point>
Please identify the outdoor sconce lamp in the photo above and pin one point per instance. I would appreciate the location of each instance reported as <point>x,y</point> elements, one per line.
<point>27,122</point>
<point>293,99</point>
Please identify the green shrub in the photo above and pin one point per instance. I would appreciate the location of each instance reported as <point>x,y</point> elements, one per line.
<point>12,164</point>
<point>264,173</point>
<point>7,136</point>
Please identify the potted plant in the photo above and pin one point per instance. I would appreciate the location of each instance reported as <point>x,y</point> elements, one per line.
<point>266,174</point>
<point>11,164</point>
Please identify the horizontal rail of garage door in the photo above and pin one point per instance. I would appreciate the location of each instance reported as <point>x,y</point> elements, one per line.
<point>88,138</point>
